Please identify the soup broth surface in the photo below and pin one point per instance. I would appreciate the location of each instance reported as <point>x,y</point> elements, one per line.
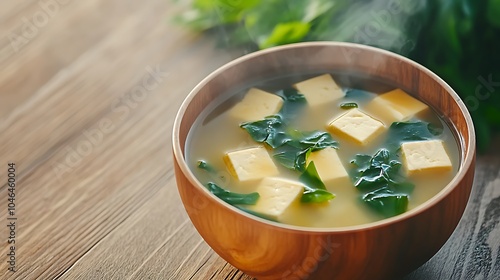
<point>215,133</point>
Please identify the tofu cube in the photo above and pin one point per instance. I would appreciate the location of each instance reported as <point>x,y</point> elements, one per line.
<point>320,90</point>
<point>357,126</point>
<point>329,167</point>
<point>395,105</point>
<point>429,155</point>
<point>250,164</point>
<point>276,196</point>
<point>256,105</point>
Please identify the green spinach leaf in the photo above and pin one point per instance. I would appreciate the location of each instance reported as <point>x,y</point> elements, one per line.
<point>205,166</point>
<point>293,154</point>
<point>378,178</point>
<point>316,140</point>
<point>348,105</point>
<point>386,201</point>
<point>400,132</point>
<point>361,161</point>
<point>377,171</point>
<point>293,105</point>
<point>291,147</point>
<point>271,130</point>
<point>227,196</point>
<point>417,130</point>
<point>287,156</point>
<point>292,157</point>
<point>316,196</point>
<point>315,190</point>
<point>232,197</point>
<point>291,95</point>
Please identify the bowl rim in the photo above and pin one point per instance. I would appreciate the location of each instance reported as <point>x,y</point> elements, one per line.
<point>465,162</point>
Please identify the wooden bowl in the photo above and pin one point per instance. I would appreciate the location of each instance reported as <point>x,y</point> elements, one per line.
<point>382,250</point>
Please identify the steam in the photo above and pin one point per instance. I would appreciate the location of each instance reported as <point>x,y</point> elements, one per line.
<point>393,25</point>
<point>389,24</point>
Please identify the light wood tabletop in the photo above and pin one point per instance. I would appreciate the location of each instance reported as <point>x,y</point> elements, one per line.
<point>88,94</point>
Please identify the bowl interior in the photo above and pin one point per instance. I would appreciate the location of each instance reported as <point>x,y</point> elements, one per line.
<point>349,59</point>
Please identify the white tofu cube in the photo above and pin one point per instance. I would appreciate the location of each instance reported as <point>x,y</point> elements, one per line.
<point>250,164</point>
<point>320,90</point>
<point>329,166</point>
<point>256,105</point>
<point>395,105</point>
<point>357,126</point>
<point>276,195</point>
<point>429,155</point>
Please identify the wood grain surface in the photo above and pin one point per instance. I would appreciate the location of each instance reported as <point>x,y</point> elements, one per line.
<point>88,93</point>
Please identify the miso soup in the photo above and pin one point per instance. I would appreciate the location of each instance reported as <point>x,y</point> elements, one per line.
<point>322,150</point>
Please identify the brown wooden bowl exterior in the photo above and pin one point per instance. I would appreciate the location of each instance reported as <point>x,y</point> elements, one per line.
<point>381,250</point>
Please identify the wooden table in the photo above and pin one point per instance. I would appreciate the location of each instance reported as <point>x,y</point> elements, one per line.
<point>88,93</point>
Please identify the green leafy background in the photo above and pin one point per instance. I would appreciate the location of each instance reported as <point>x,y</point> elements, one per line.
<point>457,39</point>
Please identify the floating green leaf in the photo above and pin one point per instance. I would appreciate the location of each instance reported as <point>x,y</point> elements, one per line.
<point>411,131</point>
<point>387,202</point>
<point>293,105</point>
<point>316,196</point>
<point>232,197</point>
<point>362,162</point>
<point>300,145</point>
<point>317,140</point>
<point>315,190</point>
<point>291,147</point>
<point>377,171</point>
<point>348,105</point>
<point>291,95</point>
<point>417,130</point>
<point>292,157</point>
<point>205,166</point>
<point>271,130</point>
<point>378,178</point>
<point>287,156</point>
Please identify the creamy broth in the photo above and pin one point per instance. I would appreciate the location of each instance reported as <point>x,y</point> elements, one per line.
<point>215,133</point>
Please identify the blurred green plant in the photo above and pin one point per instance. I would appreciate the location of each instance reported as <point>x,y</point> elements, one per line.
<point>457,39</point>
